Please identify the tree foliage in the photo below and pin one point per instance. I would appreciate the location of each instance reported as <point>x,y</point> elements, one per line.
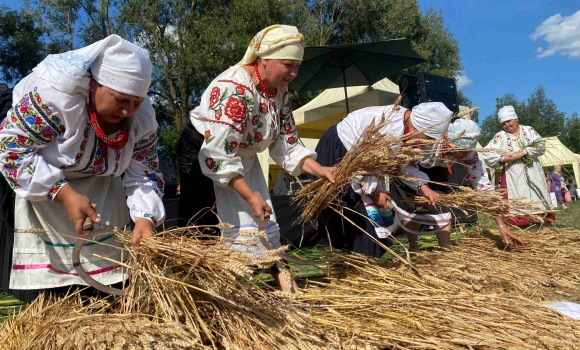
<point>21,43</point>
<point>191,42</point>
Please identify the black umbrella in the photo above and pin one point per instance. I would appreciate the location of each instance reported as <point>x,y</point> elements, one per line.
<point>361,64</point>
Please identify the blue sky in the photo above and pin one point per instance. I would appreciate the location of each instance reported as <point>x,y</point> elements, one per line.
<point>499,56</point>
<point>498,53</point>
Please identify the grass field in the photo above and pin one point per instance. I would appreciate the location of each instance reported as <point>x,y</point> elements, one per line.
<point>569,218</point>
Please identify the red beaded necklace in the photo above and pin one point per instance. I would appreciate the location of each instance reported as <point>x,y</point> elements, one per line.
<point>262,85</point>
<point>121,139</point>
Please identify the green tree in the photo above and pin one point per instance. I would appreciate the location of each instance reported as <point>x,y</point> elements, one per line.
<point>572,134</point>
<point>352,21</point>
<point>21,44</point>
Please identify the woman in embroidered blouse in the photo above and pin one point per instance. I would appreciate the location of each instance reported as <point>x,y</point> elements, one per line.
<point>522,181</point>
<point>461,139</point>
<point>244,110</point>
<point>79,121</point>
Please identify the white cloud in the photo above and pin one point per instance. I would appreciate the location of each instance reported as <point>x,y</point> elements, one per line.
<point>462,80</point>
<point>561,33</point>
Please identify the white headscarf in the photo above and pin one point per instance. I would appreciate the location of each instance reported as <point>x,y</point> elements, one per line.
<point>279,41</point>
<point>463,133</point>
<point>114,62</point>
<point>506,113</point>
<point>432,118</point>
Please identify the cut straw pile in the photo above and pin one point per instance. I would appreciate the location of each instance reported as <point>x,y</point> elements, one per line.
<point>192,293</point>
<point>399,310</point>
<point>544,269</point>
<point>191,289</point>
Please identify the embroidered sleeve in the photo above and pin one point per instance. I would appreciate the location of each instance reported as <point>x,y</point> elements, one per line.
<point>413,177</point>
<point>536,146</point>
<point>229,105</point>
<point>143,181</point>
<point>28,127</point>
<point>492,159</point>
<point>286,151</point>
<point>477,172</point>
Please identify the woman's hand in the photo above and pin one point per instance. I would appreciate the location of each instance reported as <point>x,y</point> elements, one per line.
<point>312,167</point>
<point>429,194</point>
<point>143,228</point>
<point>381,200</point>
<point>259,206</point>
<point>508,236</point>
<point>519,155</point>
<point>255,200</point>
<point>77,206</point>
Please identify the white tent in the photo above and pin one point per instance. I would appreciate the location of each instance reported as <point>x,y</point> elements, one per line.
<point>326,109</point>
<point>556,154</point>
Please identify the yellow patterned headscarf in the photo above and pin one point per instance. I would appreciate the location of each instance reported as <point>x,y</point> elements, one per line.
<point>279,41</point>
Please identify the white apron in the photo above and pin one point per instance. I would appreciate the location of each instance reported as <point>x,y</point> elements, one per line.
<point>233,209</point>
<point>43,260</point>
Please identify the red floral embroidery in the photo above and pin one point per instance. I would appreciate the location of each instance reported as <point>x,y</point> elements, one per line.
<point>243,128</point>
<point>38,99</point>
<point>287,128</point>
<point>22,140</point>
<point>258,136</point>
<point>233,145</point>
<point>23,110</point>
<point>218,114</point>
<point>263,108</point>
<point>13,156</point>
<point>243,145</point>
<point>255,119</point>
<point>209,162</point>
<point>291,140</point>
<point>214,97</point>
<point>38,120</point>
<point>240,131</point>
<point>240,89</point>
<point>236,110</point>
<point>206,134</point>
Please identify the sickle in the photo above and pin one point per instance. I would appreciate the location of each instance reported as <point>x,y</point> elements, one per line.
<point>76,259</point>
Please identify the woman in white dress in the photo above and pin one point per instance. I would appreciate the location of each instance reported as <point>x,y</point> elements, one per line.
<point>78,122</point>
<point>461,138</point>
<point>244,111</point>
<point>524,182</point>
<point>366,197</point>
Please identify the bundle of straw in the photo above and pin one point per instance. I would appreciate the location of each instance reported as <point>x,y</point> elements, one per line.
<point>374,153</point>
<point>486,202</point>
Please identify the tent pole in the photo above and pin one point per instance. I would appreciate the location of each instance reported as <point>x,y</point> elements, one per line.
<point>344,81</point>
<point>576,172</point>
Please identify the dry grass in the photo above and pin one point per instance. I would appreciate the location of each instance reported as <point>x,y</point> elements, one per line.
<point>396,309</point>
<point>192,293</point>
<point>544,269</point>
